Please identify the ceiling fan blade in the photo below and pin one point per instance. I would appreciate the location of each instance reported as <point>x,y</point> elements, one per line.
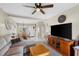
<point>36,4</point>
<point>33,11</point>
<point>28,6</point>
<point>39,4</point>
<point>47,6</point>
<point>42,11</point>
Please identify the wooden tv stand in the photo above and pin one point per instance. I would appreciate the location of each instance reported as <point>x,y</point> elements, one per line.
<point>64,47</point>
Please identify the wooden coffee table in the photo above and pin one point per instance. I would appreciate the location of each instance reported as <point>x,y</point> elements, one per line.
<point>39,50</point>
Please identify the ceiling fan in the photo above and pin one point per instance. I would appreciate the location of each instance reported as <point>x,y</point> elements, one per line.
<point>39,7</point>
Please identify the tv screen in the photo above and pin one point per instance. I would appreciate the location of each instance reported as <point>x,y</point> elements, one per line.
<point>62,30</point>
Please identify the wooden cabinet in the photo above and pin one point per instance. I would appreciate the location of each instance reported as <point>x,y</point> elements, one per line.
<point>65,47</point>
<point>50,40</point>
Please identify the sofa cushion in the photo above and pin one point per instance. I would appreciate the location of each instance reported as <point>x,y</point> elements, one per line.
<point>15,50</point>
<point>5,49</point>
<point>2,42</point>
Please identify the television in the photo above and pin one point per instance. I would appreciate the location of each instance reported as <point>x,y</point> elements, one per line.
<point>62,30</point>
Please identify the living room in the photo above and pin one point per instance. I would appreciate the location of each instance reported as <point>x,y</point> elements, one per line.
<point>25,29</point>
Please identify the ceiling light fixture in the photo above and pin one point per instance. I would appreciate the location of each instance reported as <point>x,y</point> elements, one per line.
<point>37,9</point>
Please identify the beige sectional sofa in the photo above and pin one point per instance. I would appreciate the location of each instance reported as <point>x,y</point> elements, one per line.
<point>7,49</point>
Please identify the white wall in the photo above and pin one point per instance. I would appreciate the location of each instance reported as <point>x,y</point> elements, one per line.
<point>72,16</point>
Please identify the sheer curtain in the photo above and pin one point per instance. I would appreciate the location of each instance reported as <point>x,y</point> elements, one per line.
<point>27,28</point>
<point>42,29</point>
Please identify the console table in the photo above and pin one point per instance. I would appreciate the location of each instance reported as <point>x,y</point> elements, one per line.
<point>64,47</point>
